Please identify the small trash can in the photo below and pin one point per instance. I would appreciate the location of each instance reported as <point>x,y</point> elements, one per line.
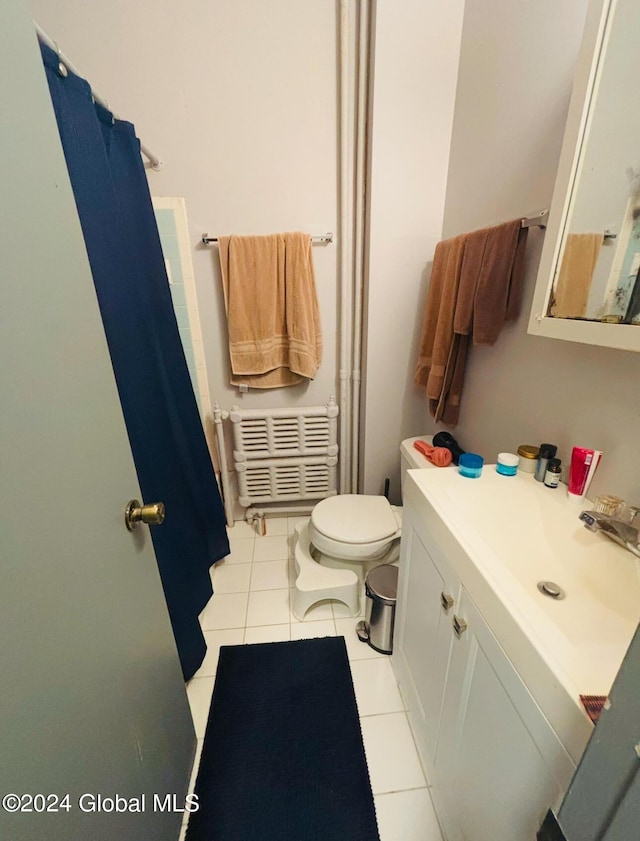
<point>381,588</point>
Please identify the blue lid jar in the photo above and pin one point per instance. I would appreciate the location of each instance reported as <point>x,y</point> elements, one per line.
<point>470,465</point>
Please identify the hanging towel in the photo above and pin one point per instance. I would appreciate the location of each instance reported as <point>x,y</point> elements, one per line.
<point>491,281</point>
<point>272,309</point>
<point>489,293</point>
<point>571,291</point>
<point>446,407</point>
<point>437,324</point>
<point>476,284</point>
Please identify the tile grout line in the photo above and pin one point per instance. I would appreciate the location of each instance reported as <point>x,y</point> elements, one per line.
<point>376,715</point>
<point>402,790</point>
<point>246,610</point>
<point>244,633</point>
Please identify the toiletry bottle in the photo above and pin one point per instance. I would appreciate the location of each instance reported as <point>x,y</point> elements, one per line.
<point>583,466</point>
<point>552,475</point>
<point>547,451</point>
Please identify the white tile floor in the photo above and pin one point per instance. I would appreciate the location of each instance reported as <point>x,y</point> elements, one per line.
<point>251,604</point>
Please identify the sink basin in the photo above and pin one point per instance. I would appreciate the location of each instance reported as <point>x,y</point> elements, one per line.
<point>507,534</point>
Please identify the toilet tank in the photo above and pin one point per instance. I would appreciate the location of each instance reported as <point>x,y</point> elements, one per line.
<point>410,458</point>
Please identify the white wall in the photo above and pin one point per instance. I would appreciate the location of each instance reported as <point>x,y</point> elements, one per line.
<point>416,61</point>
<point>513,91</point>
<point>240,100</point>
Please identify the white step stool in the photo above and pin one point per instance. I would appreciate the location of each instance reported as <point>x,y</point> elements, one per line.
<point>314,582</point>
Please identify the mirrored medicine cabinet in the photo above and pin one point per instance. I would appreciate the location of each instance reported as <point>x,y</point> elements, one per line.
<point>588,286</point>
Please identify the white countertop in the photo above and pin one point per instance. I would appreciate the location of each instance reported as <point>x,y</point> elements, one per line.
<point>505,534</point>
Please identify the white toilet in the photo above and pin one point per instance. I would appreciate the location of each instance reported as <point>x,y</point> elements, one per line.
<point>345,536</point>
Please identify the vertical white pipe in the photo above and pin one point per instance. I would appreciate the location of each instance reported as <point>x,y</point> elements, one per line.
<point>345,252</point>
<point>224,472</point>
<point>359,236</point>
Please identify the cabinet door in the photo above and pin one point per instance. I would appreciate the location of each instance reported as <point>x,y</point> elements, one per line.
<point>423,637</point>
<point>499,765</point>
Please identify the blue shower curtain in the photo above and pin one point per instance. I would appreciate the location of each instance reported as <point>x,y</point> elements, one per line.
<point>166,436</point>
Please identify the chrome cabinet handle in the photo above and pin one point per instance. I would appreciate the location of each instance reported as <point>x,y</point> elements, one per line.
<point>446,602</point>
<point>459,626</point>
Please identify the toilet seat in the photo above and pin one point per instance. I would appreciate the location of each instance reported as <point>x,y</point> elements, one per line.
<point>355,518</point>
<point>354,527</point>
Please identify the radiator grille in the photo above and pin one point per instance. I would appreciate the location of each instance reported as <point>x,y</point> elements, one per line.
<point>270,437</point>
<point>285,454</point>
<point>266,482</point>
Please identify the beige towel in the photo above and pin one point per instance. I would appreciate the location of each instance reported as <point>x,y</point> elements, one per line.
<point>571,291</point>
<point>273,316</point>
<point>437,323</point>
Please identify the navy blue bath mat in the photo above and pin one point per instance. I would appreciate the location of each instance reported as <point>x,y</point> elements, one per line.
<point>283,758</point>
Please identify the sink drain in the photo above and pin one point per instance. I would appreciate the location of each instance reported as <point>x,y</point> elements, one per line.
<point>549,588</point>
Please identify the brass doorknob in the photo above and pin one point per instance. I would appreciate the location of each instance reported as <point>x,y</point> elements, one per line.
<point>135,513</point>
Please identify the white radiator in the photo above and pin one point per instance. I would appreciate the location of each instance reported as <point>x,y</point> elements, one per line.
<point>283,455</point>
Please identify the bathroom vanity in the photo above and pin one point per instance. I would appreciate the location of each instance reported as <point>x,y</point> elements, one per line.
<point>491,668</point>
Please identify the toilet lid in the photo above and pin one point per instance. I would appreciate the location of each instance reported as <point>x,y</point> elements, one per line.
<point>355,518</point>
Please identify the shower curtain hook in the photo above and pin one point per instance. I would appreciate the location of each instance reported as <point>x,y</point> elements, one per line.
<point>62,68</point>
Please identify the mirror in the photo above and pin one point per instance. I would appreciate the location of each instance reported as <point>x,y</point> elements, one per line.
<point>588,287</point>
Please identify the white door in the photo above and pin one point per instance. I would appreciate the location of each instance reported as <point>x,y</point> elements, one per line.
<point>92,701</point>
